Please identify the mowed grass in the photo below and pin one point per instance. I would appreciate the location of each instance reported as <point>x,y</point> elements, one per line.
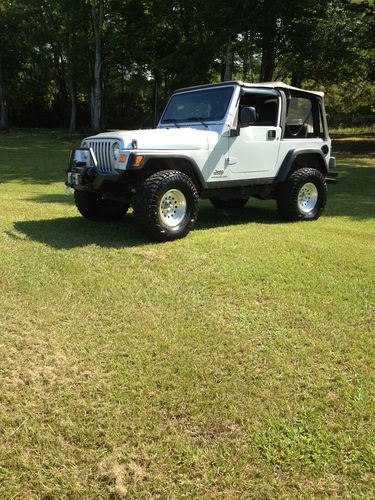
<point>235,363</point>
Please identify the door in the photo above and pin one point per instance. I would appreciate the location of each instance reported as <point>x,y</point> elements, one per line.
<point>254,152</point>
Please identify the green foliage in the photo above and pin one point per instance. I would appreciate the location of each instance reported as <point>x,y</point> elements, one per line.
<point>151,47</point>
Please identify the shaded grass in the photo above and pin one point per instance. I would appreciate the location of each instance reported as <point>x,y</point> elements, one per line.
<point>238,362</point>
<point>363,146</point>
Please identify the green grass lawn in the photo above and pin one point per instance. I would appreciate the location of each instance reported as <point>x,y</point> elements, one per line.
<point>235,363</point>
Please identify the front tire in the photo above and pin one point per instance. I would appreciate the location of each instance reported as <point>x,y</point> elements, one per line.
<point>303,195</point>
<point>229,203</point>
<point>96,206</point>
<point>166,205</point>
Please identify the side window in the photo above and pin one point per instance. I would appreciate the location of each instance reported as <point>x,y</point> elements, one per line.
<point>266,107</point>
<point>303,119</point>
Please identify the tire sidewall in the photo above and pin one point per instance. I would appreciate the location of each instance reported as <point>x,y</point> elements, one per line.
<point>287,195</point>
<point>316,179</point>
<point>181,184</point>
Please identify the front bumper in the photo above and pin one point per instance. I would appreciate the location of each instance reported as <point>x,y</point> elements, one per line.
<point>83,171</point>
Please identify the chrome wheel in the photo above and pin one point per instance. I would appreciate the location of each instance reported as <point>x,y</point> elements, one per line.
<point>172,208</point>
<point>307,198</point>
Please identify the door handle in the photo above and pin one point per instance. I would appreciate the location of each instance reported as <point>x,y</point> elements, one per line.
<point>271,135</point>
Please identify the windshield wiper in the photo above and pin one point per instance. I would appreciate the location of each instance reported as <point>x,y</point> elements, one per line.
<point>197,119</point>
<point>171,120</point>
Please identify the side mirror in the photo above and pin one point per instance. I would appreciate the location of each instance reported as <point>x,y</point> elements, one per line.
<point>248,116</point>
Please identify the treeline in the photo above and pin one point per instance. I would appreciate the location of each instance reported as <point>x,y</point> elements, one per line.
<point>113,63</point>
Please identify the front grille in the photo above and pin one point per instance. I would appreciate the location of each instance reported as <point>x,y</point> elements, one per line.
<point>102,150</point>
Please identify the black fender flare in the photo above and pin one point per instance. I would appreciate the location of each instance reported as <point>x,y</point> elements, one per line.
<point>291,157</point>
<point>173,158</point>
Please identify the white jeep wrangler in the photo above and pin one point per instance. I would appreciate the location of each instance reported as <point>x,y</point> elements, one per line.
<point>225,142</point>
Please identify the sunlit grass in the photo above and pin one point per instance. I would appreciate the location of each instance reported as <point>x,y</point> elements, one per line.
<point>352,131</point>
<point>237,362</point>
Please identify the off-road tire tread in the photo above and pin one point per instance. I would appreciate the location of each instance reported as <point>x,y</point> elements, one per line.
<point>287,196</point>
<point>146,205</point>
<point>89,206</point>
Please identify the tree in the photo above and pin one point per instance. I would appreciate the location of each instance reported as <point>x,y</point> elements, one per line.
<point>97,62</point>
<point>3,103</point>
<point>97,19</point>
<point>8,54</point>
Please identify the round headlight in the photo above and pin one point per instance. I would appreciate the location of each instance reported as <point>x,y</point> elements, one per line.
<point>116,150</point>
<point>85,154</point>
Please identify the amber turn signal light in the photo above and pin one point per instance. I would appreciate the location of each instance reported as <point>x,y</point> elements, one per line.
<point>138,160</point>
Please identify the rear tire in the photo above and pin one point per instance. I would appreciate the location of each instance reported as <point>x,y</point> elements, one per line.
<point>95,206</point>
<point>229,203</point>
<point>166,205</point>
<point>303,195</point>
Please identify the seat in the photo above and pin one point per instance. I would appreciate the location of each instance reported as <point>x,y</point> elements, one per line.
<point>268,114</point>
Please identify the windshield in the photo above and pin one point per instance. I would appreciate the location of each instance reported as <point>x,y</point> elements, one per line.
<point>207,105</point>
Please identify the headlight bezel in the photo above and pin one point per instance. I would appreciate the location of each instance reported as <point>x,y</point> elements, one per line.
<point>115,150</point>
<point>85,154</point>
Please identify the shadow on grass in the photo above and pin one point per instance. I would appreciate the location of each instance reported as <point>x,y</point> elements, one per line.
<point>361,145</point>
<point>352,197</point>
<point>52,198</point>
<point>210,217</point>
<point>73,232</point>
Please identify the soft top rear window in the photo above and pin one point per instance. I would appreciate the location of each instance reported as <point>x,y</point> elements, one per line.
<point>303,119</point>
<point>207,105</point>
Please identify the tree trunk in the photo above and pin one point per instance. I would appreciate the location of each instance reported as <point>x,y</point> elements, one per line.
<point>103,115</point>
<point>72,72</point>
<point>97,16</point>
<point>269,43</point>
<point>122,91</point>
<point>62,97</point>
<point>155,98</point>
<point>92,105</point>
<point>268,65</point>
<point>73,106</point>
<point>229,60</point>
<point>3,105</point>
<point>296,80</point>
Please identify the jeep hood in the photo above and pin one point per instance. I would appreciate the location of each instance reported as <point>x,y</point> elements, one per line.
<point>162,138</point>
